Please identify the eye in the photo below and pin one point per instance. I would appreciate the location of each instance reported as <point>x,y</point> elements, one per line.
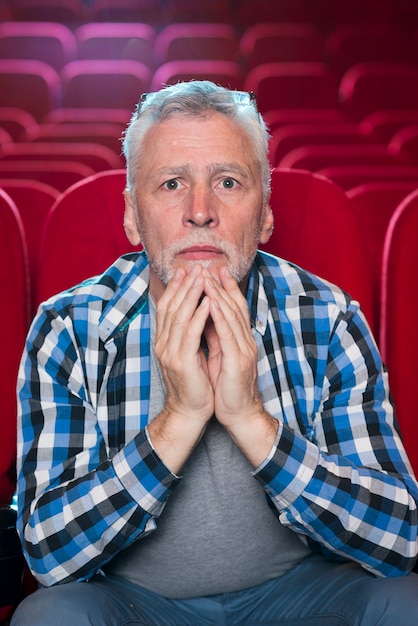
<point>171,184</point>
<point>229,183</point>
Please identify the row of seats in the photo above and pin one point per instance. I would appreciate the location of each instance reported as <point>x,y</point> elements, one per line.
<point>366,88</point>
<point>57,44</point>
<point>317,221</point>
<point>241,12</point>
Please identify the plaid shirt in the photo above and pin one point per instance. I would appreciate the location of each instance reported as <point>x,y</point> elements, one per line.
<point>90,482</point>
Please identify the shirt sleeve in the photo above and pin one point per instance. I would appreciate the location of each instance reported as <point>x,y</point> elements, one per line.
<point>77,506</point>
<point>350,488</point>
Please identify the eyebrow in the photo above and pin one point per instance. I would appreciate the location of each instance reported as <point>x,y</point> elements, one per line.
<point>213,168</point>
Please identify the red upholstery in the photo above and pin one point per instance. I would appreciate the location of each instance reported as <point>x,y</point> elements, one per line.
<point>32,86</point>
<point>382,125</point>
<point>90,115</point>
<point>49,42</point>
<point>348,176</point>
<point>292,85</point>
<point>225,73</point>
<point>14,317</point>
<point>280,117</point>
<point>48,10</point>
<point>368,87</point>
<point>198,11</point>
<point>291,136</point>
<point>316,227</point>
<point>375,204</point>
<point>33,200</point>
<point>16,121</point>
<point>105,134</point>
<point>105,83</point>
<point>316,157</point>
<point>148,11</point>
<point>83,233</point>
<point>399,329</point>
<point>91,154</point>
<point>405,143</point>
<point>271,42</point>
<point>58,174</point>
<point>204,41</point>
<point>117,41</point>
<point>350,44</point>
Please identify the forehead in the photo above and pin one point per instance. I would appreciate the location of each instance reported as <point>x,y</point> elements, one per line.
<point>213,134</point>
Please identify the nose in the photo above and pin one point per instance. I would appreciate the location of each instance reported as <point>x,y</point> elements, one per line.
<point>200,209</point>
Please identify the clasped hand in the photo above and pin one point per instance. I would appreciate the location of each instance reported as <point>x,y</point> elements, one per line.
<point>196,305</point>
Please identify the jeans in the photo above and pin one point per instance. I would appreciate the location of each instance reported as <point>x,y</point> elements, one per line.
<point>317,592</point>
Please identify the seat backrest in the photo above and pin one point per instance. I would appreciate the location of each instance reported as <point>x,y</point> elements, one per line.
<point>382,125</point>
<point>368,87</point>
<point>204,41</point>
<point>104,134</point>
<point>104,83</point>
<point>292,136</point>
<point>34,200</point>
<point>272,42</point>
<point>32,86</point>
<point>350,44</point>
<point>83,233</point>
<point>375,203</point>
<point>16,121</point>
<point>94,155</point>
<point>316,227</point>
<point>14,319</point>
<point>225,73</point>
<point>58,174</point>
<point>292,85</point>
<point>49,42</point>
<point>116,41</point>
<point>64,11</point>
<point>316,157</point>
<point>399,329</point>
<point>348,176</point>
<point>404,143</point>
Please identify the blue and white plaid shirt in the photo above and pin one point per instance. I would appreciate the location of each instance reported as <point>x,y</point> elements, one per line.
<point>90,483</point>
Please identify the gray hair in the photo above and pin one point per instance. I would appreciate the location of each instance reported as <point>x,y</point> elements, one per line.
<point>194,99</point>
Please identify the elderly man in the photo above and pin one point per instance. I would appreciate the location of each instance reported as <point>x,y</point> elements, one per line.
<point>206,435</point>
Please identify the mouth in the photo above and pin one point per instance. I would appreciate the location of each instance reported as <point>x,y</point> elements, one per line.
<point>201,253</point>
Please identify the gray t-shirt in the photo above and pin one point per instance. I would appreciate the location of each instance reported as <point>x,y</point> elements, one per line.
<point>217,532</point>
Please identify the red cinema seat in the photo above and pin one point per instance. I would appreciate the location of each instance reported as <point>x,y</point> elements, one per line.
<point>375,203</point>
<point>58,173</point>
<point>225,73</point>
<point>399,329</point>
<point>350,44</point>
<point>85,230</point>
<point>116,41</point>
<point>14,317</point>
<point>91,154</point>
<point>382,125</point>
<point>404,143</point>
<point>64,11</point>
<point>292,85</point>
<point>197,41</point>
<point>104,83</point>
<point>349,176</point>
<point>49,42</point>
<point>34,200</point>
<point>16,121</point>
<point>292,136</point>
<point>317,228</point>
<point>202,11</point>
<point>133,11</point>
<point>32,86</point>
<point>104,134</point>
<point>317,157</point>
<point>369,87</point>
<point>272,42</point>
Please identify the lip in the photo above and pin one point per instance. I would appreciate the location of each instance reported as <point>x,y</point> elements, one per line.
<point>201,252</point>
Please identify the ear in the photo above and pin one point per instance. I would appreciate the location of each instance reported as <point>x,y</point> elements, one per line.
<point>268,224</point>
<point>130,222</point>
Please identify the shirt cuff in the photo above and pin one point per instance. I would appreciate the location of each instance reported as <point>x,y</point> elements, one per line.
<point>143,474</point>
<point>288,468</point>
